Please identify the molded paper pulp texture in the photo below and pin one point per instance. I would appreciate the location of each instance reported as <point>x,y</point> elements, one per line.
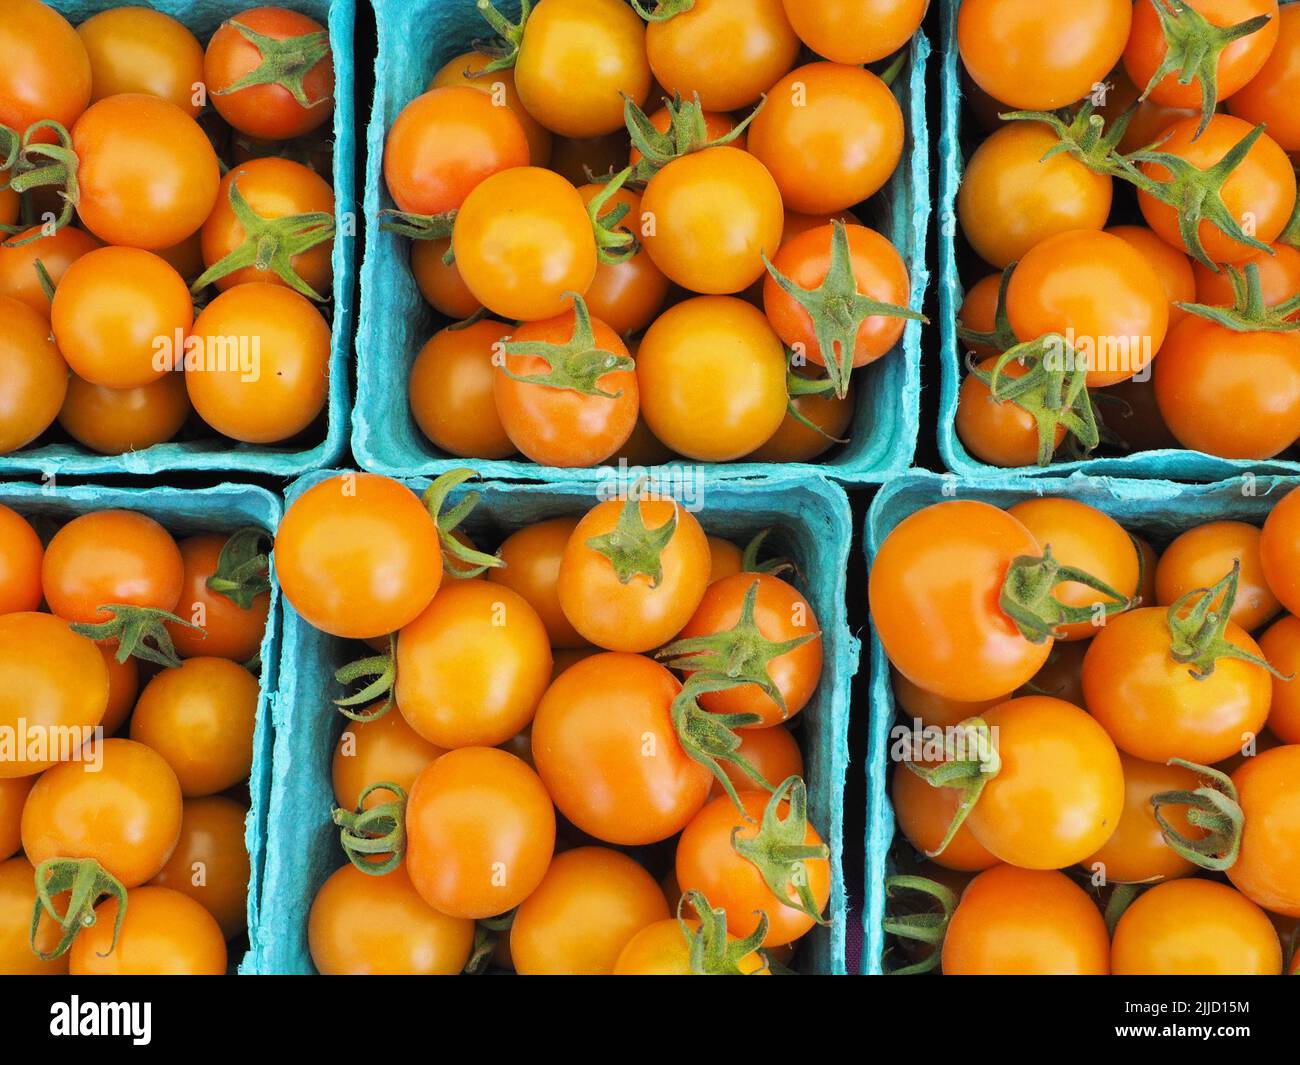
<point>813,526</point>
<point>213,452</point>
<point>395,321</point>
<point>225,508</point>
<point>1157,509</point>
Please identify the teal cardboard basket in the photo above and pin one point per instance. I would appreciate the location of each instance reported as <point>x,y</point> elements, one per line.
<point>224,508</point>
<point>1157,509</point>
<point>813,527</point>
<point>395,321</point>
<point>1174,465</point>
<point>214,453</point>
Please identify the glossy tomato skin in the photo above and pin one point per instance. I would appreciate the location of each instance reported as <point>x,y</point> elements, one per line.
<point>21,552</point>
<point>440,282</point>
<point>36,376</point>
<point>1011,198</point>
<point>1195,928</point>
<point>924,814</point>
<point>1281,646</point>
<point>1269,96</point>
<point>18,277</point>
<point>934,589</point>
<point>1022,922</point>
<point>1203,556</point>
<point>855,31</point>
<point>17,903</point>
<point>1279,277</point>
<point>998,432</point>
<point>1172,267</point>
<point>626,296</point>
<point>467,69</point>
<point>451,390</point>
<point>13,794</point>
<point>587,908</point>
<point>831,135</point>
<point>358,556</point>
<point>773,752</point>
<point>210,863</point>
<point>47,72</point>
<point>229,630</point>
<point>164,933</point>
<point>661,949</point>
<point>1152,706</point>
<point>596,765</point>
<point>915,704</point>
<point>480,831</point>
<point>123,687</point>
<point>113,421</point>
<point>795,442</point>
<point>134,49</point>
<point>384,750</point>
<point>266,111</point>
<point>1268,869</point>
<point>1279,549</point>
<point>148,174</point>
<point>532,557</point>
<point>379,926</point>
<point>1036,58</point>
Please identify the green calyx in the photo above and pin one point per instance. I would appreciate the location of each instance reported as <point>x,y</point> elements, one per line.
<point>1213,807</point>
<point>687,132</point>
<point>138,630</point>
<point>1122,896</point>
<point>285,62</point>
<point>380,830</point>
<point>487,934</point>
<point>33,165</point>
<point>1193,46</point>
<point>380,672</point>
<point>663,10</point>
<point>712,951</point>
<point>87,882</point>
<point>1197,623</point>
<point>741,654</point>
<point>838,309</point>
<point>1029,596</point>
<point>243,568</point>
<point>778,850</point>
<point>504,47</point>
<point>1249,313</point>
<point>710,739</point>
<point>914,919</point>
<point>970,761</point>
<point>797,386</point>
<point>418,226</point>
<point>632,548</point>
<point>270,244</point>
<point>578,365</point>
<point>749,562</point>
<point>1084,136</point>
<point>615,243</point>
<point>448,519</point>
<point>1003,337</point>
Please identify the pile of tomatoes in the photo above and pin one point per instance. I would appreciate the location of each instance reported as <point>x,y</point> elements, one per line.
<point>167,223</point>
<point>641,218</point>
<point>1131,213</point>
<point>1101,766</point>
<point>573,755</point>
<point>126,741</point>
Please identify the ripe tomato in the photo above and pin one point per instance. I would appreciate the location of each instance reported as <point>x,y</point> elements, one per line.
<point>1038,58</point>
<point>148,176</point>
<point>1098,293</point>
<point>1279,277</point>
<point>1237,64</point>
<point>210,863</point>
<point>472,667</point>
<point>21,552</point>
<point>662,949</point>
<point>579,161</point>
<point>1137,852</point>
<point>795,442</point>
<point>123,687</point>
<point>1268,96</point>
<point>229,631</point>
<point>47,72</point>
<point>1172,267</point>
<point>524,243</point>
<point>587,908</point>
<point>708,219</point>
<point>1083,537</point>
<point>36,376</point>
<point>1267,870</point>
<point>364,925</point>
<point>917,704</point>
<point>1195,928</point>
<point>1149,119</point>
<point>716,126</point>
<point>134,49</point>
<point>613,587</point>
<point>924,814</point>
<point>578,61</point>
<point>625,296</point>
<point>1281,646</point>
<point>711,373</point>
<point>1230,393</point>
<point>467,69</point>
<point>113,421</point>
<point>164,933</point>
<point>200,717</point>
<point>1022,922</point>
<point>1279,549</point>
<point>581,418</point>
<point>17,903</point>
<point>358,556</point>
<point>117,313</point>
<point>1154,708</point>
<point>271,110</point>
<point>858,32</point>
<point>831,136</point>
<point>934,589</point>
<point>1200,557</point>
<point>1261,190</point>
<point>446,142</point>
<point>1011,198</point>
<point>440,282</point>
<point>728,51</point>
<point>532,559</point>
<point>257,363</point>
<point>451,390</point>
<point>18,277</point>
<point>385,749</point>
<point>13,794</point>
<point>773,752</point>
<point>623,778</point>
<point>480,833</point>
<point>999,432</point>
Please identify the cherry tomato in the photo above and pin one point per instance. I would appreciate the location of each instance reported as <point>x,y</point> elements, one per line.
<point>587,158</point>
<point>1038,58</point>
<point>229,631</point>
<point>1268,96</point>
<point>210,863</point>
<point>113,421</point>
<point>716,126</point>
<point>21,552</point>
<point>917,704</point>
<point>364,925</point>
<point>1149,118</point>
<point>1202,556</point>
<point>1279,548</point>
<point>451,391</point>
<point>795,442</point>
<point>164,933</point>
<point>999,432</point>
<point>123,687</point>
<point>467,69</point>
<point>268,111</point>
<point>924,814</point>
<point>47,72</point>
<point>13,794</point>
<point>1281,646</point>
<point>773,752</point>
<point>1267,871</point>
<point>385,749</point>
<point>440,282</point>
<point>480,833</point>
<point>35,380</point>
<point>532,559</point>
<point>523,243</point>
<point>134,49</point>
<point>625,296</point>
<point>855,32</point>
<point>1172,267</point>
<point>56,252</point>
<point>1279,277</point>
<point>17,903</point>
<point>662,949</point>
<point>623,778</point>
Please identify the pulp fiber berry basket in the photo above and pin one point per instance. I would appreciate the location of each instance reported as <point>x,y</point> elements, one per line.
<point>812,526</point>
<point>1169,464</point>
<point>224,508</point>
<point>327,439</point>
<point>1156,509</point>
<point>395,321</point>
